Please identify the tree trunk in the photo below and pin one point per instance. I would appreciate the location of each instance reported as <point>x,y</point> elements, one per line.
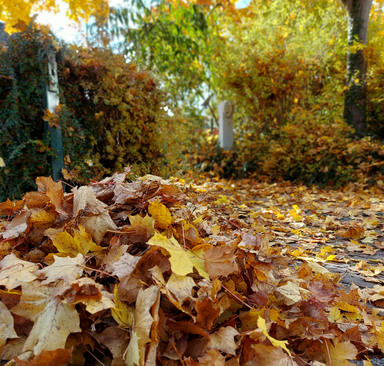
<point>356,94</point>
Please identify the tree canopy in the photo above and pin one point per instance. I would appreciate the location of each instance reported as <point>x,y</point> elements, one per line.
<point>13,12</point>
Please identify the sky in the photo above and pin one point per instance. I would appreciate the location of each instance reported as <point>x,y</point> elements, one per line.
<point>62,26</point>
<point>69,31</point>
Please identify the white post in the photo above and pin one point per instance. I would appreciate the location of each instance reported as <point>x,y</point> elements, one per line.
<point>226,109</point>
<point>52,102</point>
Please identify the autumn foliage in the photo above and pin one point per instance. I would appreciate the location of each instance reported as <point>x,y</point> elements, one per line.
<point>111,113</point>
<point>160,273</point>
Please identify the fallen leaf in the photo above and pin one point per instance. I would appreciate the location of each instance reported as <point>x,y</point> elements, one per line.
<point>341,352</point>
<point>57,357</point>
<point>289,293</point>
<point>81,242</point>
<point>67,269</point>
<point>276,343</point>
<point>53,319</point>
<point>220,261</point>
<point>14,271</point>
<point>84,199</point>
<point>98,225</point>
<point>124,266</point>
<point>161,214</point>
<point>17,226</point>
<point>6,325</point>
<point>212,358</point>
<point>180,286</point>
<point>223,340</point>
<point>180,258</point>
<point>54,191</point>
<point>264,355</point>
<point>143,320</point>
<point>121,312</point>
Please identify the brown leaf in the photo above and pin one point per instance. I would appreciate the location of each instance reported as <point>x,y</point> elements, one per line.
<point>8,208</point>
<point>84,199</point>
<point>220,261</point>
<point>223,340</point>
<point>212,358</point>
<point>207,313</point>
<point>263,355</point>
<point>57,357</point>
<point>54,191</point>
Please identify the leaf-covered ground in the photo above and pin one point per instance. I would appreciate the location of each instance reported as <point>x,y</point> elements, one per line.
<point>153,272</point>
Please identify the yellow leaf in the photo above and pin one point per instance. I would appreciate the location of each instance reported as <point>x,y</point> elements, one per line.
<point>325,251</point>
<point>81,242</point>
<point>221,200</point>
<point>341,352</point>
<point>42,217</point>
<point>160,213</point>
<point>331,257</point>
<point>294,212</point>
<point>182,260</point>
<point>276,343</point>
<point>347,307</point>
<point>334,314</point>
<point>2,163</point>
<point>122,313</point>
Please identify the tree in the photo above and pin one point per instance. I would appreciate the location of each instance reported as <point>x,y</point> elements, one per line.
<point>356,94</point>
<point>13,12</point>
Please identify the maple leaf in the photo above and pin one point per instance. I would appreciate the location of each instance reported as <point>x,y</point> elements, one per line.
<point>81,242</point>
<point>223,340</point>
<point>141,228</point>
<point>98,225</point>
<point>54,191</point>
<point>182,261</point>
<point>84,199</point>
<point>14,271</point>
<point>9,207</point>
<point>53,319</point>
<point>67,269</point>
<point>6,325</point>
<point>160,213</point>
<point>341,352</point>
<point>220,261</point>
<point>124,266</point>
<point>143,320</point>
<point>289,293</point>
<point>180,286</point>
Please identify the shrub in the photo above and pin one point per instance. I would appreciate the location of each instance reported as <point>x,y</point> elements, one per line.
<point>123,110</point>
<point>112,114</point>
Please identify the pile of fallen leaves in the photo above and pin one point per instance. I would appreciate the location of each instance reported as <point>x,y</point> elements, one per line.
<point>157,272</point>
